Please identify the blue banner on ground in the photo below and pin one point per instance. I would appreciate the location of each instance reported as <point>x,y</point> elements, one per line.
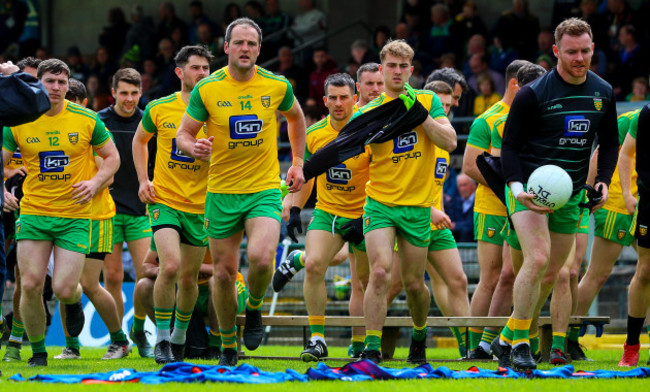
<point>355,371</point>
<point>95,332</point>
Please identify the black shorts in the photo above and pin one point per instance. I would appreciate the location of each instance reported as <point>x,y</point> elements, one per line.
<point>641,232</point>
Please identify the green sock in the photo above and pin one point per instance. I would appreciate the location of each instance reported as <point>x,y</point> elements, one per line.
<point>521,332</point>
<point>242,295</point>
<point>488,336</point>
<point>138,323</point>
<point>37,343</point>
<point>72,342</point>
<point>214,338</point>
<point>317,326</point>
<point>118,336</point>
<point>163,318</point>
<point>419,333</point>
<point>373,340</point>
<point>180,326</point>
<point>459,334</point>
<point>574,334</point>
<point>534,344</point>
<point>229,338</point>
<point>474,337</point>
<point>17,331</point>
<point>507,333</point>
<point>298,261</point>
<point>558,341</point>
<point>254,303</point>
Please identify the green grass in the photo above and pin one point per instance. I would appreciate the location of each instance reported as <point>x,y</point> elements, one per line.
<point>605,359</point>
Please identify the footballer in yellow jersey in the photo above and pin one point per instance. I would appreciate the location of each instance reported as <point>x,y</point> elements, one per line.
<point>400,194</point>
<point>238,104</point>
<point>180,181</point>
<point>175,201</point>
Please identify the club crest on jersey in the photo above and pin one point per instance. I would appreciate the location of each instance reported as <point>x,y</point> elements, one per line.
<point>598,103</point>
<point>643,230</point>
<point>621,234</point>
<point>405,142</point>
<point>73,137</point>
<point>490,232</point>
<point>266,101</point>
<point>155,214</point>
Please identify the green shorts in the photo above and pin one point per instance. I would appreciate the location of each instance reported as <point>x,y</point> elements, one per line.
<point>203,300</point>
<point>613,226</point>
<point>189,226</point>
<point>511,238</point>
<point>442,240</point>
<point>563,221</point>
<point>225,214</point>
<point>325,221</point>
<point>66,233</point>
<point>410,222</point>
<point>490,228</point>
<point>101,236</point>
<point>583,226</point>
<point>130,228</point>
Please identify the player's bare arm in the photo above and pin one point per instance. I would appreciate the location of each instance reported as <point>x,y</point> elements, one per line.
<point>84,191</point>
<point>440,132</point>
<point>296,130</point>
<point>625,169</point>
<point>526,199</point>
<point>469,164</point>
<point>189,144</point>
<point>140,159</point>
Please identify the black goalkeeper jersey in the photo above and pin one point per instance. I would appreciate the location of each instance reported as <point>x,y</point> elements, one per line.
<point>555,122</point>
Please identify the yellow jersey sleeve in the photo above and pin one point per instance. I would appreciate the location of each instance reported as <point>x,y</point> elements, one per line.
<point>241,117</point>
<point>180,181</point>
<point>615,201</point>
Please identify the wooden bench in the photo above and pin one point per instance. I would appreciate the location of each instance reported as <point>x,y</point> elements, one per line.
<point>545,326</point>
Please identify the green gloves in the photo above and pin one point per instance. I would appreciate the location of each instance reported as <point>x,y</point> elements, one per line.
<point>284,188</point>
<point>409,98</point>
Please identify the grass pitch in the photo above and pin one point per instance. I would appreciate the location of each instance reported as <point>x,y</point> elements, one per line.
<point>91,362</point>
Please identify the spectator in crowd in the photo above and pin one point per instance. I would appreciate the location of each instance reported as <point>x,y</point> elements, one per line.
<point>380,38</point>
<point>469,23</point>
<point>274,21</point>
<point>564,9</point>
<point>254,10</point>
<point>309,24</point>
<point>440,39</point>
<point>141,35</point>
<point>639,90</point>
<point>458,83</point>
<point>461,210</point>
<point>30,39</point>
<point>517,28</point>
<point>104,67</point>
<point>42,53</point>
<point>197,18</point>
<point>113,36</point>
<point>618,14</point>
<point>13,15</point>
<point>360,53</point>
<point>231,12</point>
<point>403,31</point>
<point>312,115</point>
<point>206,38</point>
<point>414,14</point>
<point>169,21</point>
<point>546,62</point>
<point>478,65</point>
<point>487,96</point>
<point>325,66</point>
<point>295,74</point>
<point>630,62</point>
<point>545,41</point>
<point>78,68</point>
<point>448,60</point>
<point>501,56</point>
<point>475,45</point>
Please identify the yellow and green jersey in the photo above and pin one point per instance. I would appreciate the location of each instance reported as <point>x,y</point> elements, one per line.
<point>442,163</point>
<point>401,169</point>
<point>179,181</point>
<point>57,153</point>
<point>15,162</point>
<point>341,190</point>
<point>103,205</point>
<point>242,118</point>
<point>486,202</point>
<point>627,122</point>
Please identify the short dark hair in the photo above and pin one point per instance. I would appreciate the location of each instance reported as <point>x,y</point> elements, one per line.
<point>450,76</point>
<point>574,27</point>
<point>242,22</point>
<point>513,68</point>
<point>76,91</point>
<point>127,75</point>
<point>528,73</point>
<point>183,55</point>
<point>340,80</point>
<point>30,61</point>
<point>312,111</point>
<point>54,66</point>
<point>367,67</point>
<point>439,87</point>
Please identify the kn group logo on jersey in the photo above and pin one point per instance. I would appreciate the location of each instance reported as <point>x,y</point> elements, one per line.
<point>441,168</point>
<point>339,176</point>
<point>244,127</point>
<point>403,144</point>
<point>53,162</point>
<point>575,130</point>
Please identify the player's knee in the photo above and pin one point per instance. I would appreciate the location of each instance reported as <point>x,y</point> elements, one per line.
<point>31,287</point>
<point>168,270</point>
<point>225,275</point>
<point>380,275</point>
<point>459,283</point>
<point>65,293</point>
<point>113,276</point>
<point>642,274</point>
<point>414,285</point>
<point>315,268</point>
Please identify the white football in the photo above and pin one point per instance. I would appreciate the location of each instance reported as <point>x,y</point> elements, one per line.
<point>551,185</point>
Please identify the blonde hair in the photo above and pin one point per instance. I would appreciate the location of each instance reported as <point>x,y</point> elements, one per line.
<point>397,48</point>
